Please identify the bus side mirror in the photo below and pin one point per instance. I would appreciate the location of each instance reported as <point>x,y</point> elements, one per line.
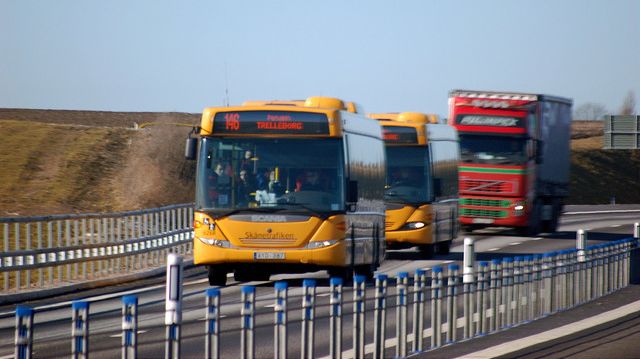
<point>352,195</point>
<point>191,148</point>
<point>437,187</point>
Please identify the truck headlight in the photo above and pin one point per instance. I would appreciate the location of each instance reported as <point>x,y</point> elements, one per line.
<point>413,225</point>
<point>518,208</point>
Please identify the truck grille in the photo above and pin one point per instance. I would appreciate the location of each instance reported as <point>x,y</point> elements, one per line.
<point>486,186</point>
<point>485,202</point>
<point>472,212</point>
<point>388,225</point>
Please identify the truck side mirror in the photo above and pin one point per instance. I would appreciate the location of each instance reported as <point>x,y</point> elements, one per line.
<point>191,148</point>
<point>352,195</point>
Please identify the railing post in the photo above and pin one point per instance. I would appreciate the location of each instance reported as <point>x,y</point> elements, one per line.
<point>247,312</point>
<point>129,327</point>
<point>173,306</point>
<point>468,279</point>
<point>380,316</point>
<point>335,318</point>
<point>494,296</point>
<point>481,327</point>
<point>419,280</point>
<point>212,318</point>
<point>436,304</point>
<point>517,289</point>
<point>452,307</point>
<point>280,313</point>
<point>581,245</point>
<point>591,273</point>
<point>527,288</point>
<point>80,330</point>
<point>507,291</point>
<point>401,314</point>
<point>547,272</point>
<point>536,291</point>
<point>359,294</point>
<point>24,333</point>
<point>308,314</point>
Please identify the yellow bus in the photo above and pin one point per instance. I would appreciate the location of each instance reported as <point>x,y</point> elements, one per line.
<point>421,188</point>
<point>288,187</point>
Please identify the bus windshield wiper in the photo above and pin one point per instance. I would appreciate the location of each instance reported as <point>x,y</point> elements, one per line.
<point>303,206</point>
<point>231,211</point>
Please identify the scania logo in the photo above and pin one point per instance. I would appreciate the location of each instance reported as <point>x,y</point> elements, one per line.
<point>268,230</point>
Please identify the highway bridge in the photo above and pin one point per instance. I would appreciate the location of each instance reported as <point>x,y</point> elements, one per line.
<point>52,332</point>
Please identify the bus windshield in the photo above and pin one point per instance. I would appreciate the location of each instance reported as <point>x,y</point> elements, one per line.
<point>270,174</point>
<point>408,174</point>
<point>493,149</point>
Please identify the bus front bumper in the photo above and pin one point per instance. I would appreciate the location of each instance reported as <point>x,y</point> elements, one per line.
<point>331,256</point>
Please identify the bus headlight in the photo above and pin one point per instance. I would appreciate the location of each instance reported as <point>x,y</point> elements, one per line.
<point>215,242</point>
<point>518,208</point>
<point>413,225</point>
<point>321,244</point>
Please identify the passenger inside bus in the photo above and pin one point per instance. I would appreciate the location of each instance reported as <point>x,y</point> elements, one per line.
<point>219,185</point>
<point>310,181</point>
<point>245,189</point>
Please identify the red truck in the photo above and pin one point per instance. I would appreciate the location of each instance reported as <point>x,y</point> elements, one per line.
<point>514,158</point>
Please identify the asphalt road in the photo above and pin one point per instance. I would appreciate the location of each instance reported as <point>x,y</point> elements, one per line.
<point>53,324</point>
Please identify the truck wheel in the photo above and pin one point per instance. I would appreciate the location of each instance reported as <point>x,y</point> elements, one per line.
<point>426,251</point>
<point>551,225</point>
<point>217,276</point>
<point>534,225</point>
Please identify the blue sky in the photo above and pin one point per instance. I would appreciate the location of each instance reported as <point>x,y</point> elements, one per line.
<point>153,55</point>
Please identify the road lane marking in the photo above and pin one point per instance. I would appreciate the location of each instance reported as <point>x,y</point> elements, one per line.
<point>494,249</point>
<point>616,225</point>
<point>571,328</point>
<point>514,243</point>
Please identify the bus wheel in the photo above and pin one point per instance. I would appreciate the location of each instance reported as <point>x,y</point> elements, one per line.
<point>217,276</point>
<point>426,251</point>
<point>346,273</point>
<point>367,271</point>
<point>443,247</point>
<point>244,275</point>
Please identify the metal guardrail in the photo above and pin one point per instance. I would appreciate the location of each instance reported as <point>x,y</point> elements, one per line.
<point>491,297</point>
<point>53,250</point>
<point>621,132</point>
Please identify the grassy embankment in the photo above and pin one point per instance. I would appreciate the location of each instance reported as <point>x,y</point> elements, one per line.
<point>81,161</point>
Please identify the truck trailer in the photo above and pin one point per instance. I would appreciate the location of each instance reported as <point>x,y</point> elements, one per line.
<point>515,159</point>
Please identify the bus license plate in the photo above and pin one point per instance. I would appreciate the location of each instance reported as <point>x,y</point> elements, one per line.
<point>483,220</point>
<point>268,255</point>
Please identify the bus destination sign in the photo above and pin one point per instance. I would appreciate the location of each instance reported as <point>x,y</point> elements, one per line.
<point>399,134</point>
<point>496,121</point>
<point>271,122</point>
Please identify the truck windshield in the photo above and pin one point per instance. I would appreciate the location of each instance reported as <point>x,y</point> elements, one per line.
<point>270,175</point>
<point>492,149</point>
<point>408,175</point>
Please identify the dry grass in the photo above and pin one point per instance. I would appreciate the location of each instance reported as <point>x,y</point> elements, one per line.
<point>94,165</point>
<point>87,161</point>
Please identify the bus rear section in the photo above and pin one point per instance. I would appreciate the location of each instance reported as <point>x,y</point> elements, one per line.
<point>421,185</point>
<point>286,188</point>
